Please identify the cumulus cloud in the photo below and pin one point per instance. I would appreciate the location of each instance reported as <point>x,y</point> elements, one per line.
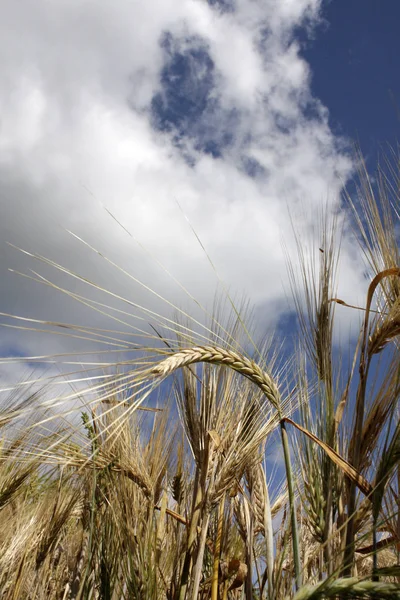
<point>159,110</point>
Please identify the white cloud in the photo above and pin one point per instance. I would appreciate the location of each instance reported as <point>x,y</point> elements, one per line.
<point>77,83</point>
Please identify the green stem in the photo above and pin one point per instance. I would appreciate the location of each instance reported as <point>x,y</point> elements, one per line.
<point>354,459</point>
<point>217,550</point>
<point>375,553</point>
<point>249,551</point>
<point>269,539</point>
<point>289,478</point>
<point>192,536</point>
<point>198,570</point>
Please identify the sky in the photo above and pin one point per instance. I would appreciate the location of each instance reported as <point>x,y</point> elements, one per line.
<point>207,129</point>
<point>353,58</point>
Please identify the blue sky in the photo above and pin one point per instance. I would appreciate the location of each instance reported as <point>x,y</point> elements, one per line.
<point>235,116</point>
<point>355,72</point>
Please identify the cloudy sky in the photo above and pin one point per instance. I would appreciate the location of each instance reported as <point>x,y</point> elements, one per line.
<point>228,117</point>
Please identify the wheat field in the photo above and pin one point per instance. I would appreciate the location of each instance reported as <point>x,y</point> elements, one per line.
<point>156,481</point>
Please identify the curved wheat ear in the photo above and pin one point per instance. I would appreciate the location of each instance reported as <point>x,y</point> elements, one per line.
<point>221,356</point>
<point>349,587</point>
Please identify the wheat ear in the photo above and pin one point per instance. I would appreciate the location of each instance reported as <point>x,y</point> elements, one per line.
<point>221,356</point>
<point>349,587</point>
